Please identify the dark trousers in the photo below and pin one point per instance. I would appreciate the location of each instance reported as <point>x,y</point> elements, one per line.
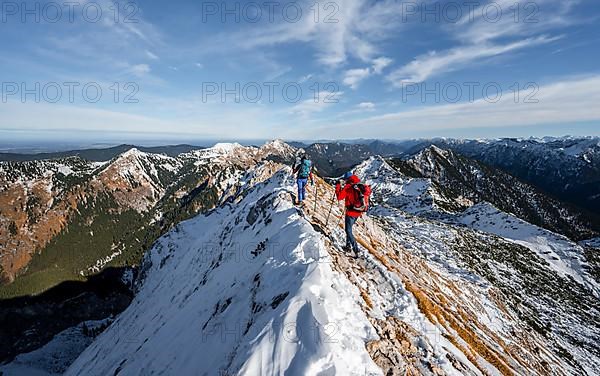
<point>350,240</point>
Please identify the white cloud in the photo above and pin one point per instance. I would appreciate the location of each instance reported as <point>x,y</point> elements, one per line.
<point>436,63</point>
<point>151,55</point>
<point>186,116</point>
<point>103,50</point>
<point>367,106</point>
<point>305,78</point>
<point>532,18</point>
<point>140,69</point>
<point>200,65</point>
<point>481,35</point>
<point>380,63</point>
<point>568,101</point>
<point>354,29</point>
<point>353,77</point>
<point>41,116</point>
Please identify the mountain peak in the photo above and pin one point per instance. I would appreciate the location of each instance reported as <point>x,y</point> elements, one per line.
<point>276,143</point>
<point>225,147</point>
<point>133,152</point>
<point>436,150</point>
<point>278,147</point>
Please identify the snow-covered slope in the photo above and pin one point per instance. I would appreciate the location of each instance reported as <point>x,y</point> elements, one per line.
<point>255,286</point>
<point>537,275</point>
<point>253,293</point>
<point>41,201</point>
<point>411,194</point>
<point>468,181</point>
<point>562,254</point>
<point>258,287</point>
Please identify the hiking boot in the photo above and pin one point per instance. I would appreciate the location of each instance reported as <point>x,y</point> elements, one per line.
<point>348,251</point>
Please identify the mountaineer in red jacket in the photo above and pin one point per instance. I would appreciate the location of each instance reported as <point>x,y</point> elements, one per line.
<point>356,196</point>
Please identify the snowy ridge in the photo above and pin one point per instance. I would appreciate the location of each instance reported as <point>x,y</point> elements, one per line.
<point>12,173</point>
<point>594,242</point>
<point>257,286</point>
<point>136,164</point>
<point>262,308</point>
<point>419,196</point>
<point>236,153</point>
<point>264,289</point>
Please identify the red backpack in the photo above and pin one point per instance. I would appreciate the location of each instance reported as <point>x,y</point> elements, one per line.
<point>364,193</point>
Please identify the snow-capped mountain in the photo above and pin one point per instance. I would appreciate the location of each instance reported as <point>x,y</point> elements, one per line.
<point>442,186</point>
<point>465,178</point>
<point>453,278</point>
<point>65,220</point>
<point>110,205</point>
<point>266,289</point>
<point>568,168</point>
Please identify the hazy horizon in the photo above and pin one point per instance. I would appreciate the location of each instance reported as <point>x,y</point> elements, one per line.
<point>36,147</point>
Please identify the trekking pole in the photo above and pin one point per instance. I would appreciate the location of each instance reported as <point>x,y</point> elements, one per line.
<point>330,207</point>
<point>315,209</point>
<point>315,184</point>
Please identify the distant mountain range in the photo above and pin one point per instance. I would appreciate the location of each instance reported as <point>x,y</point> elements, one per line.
<point>468,243</point>
<point>99,155</point>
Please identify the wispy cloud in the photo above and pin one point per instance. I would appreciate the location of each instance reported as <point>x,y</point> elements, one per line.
<point>367,106</point>
<point>324,100</point>
<point>380,63</point>
<point>353,28</point>
<point>305,78</point>
<point>481,35</point>
<point>106,48</point>
<point>140,70</point>
<point>151,55</point>
<point>520,18</point>
<point>353,77</point>
<point>437,63</point>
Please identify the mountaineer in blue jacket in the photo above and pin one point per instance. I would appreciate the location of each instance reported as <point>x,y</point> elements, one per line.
<point>304,170</point>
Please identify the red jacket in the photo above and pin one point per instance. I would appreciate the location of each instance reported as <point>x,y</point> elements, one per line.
<point>349,194</point>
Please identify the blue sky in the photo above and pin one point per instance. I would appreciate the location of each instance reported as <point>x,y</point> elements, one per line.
<point>503,68</point>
